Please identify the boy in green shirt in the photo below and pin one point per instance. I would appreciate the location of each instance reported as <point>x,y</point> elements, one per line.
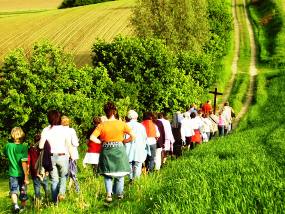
<point>17,155</point>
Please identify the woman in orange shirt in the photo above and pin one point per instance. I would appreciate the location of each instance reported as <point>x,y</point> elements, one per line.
<point>113,160</point>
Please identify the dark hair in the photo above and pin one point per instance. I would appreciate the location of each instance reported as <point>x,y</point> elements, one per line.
<point>147,116</point>
<point>37,137</point>
<point>160,115</point>
<point>96,120</point>
<point>110,109</point>
<point>193,115</point>
<point>54,117</point>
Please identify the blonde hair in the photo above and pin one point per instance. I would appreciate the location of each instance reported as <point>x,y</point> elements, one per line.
<point>65,121</point>
<point>17,134</point>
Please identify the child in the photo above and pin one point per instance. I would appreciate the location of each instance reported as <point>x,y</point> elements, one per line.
<point>94,149</point>
<point>65,121</point>
<point>17,155</point>
<point>39,177</point>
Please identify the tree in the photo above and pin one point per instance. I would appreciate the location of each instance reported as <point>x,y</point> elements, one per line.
<point>173,21</point>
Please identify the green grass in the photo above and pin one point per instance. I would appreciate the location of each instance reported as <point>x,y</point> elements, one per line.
<point>241,173</point>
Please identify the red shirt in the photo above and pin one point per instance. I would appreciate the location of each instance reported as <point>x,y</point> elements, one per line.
<point>33,155</point>
<point>207,108</point>
<point>94,147</point>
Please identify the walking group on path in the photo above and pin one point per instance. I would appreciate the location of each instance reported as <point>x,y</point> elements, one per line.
<point>116,148</point>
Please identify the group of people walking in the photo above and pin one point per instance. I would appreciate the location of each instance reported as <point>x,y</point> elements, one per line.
<point>116,148</point>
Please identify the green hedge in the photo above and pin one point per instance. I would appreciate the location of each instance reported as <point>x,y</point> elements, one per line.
<point>76,3</point>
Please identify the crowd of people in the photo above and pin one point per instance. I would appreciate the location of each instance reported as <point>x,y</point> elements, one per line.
<point>116,147</point>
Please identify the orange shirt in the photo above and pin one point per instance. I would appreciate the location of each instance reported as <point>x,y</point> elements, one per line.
<point>112,131</point>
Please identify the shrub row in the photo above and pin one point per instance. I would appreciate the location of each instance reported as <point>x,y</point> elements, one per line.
<point>76,3</point>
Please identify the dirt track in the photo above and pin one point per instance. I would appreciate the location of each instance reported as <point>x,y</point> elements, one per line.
<point>252,68</point>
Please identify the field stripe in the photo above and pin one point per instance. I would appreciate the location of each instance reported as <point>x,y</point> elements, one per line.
<point>74,29</point>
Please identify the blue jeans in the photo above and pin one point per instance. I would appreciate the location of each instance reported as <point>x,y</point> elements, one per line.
<point>37,186</point>
<point>58,175</point>
<point>17,185</point>
<point>136,169</point>
<point>151,158</point>
<point>116,188</point>
<point>221,130</point>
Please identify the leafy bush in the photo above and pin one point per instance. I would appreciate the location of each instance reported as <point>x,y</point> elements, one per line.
<point>49,80</point>
<point>149,72</point>
<point>76,3</point>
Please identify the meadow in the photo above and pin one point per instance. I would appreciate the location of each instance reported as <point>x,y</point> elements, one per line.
<point>240,173</point>
<point>74,29</point>
<point>20,5</point>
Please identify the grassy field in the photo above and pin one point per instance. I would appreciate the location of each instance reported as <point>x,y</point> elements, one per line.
<point>74,29</point>
<point>16,5</point>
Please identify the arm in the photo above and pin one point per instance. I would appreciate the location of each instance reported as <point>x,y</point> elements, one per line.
<point>43,139</point>
<point>95,134</point>
<point>26,172</point>
<point>24,160</point>
<point>130,138</point>
<point>74,138</point>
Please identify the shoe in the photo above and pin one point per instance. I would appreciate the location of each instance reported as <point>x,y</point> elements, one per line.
<point>120,197</point>
<point>109,199</point>
<point>60,198</point>
<point>16,208</point>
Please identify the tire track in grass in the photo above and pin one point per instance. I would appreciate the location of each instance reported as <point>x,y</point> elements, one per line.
<point>252,70</point>
<point>87,29</point>
<point>17,40</point>
<point>234,67</point>
<point>108,28</point>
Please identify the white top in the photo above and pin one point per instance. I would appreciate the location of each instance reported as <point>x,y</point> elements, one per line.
<point>228,113</point>
<point>59,139</point>
<point>74,142</point>
<point>207,125</point>
<point>187,129</point>
<point>167,130</point>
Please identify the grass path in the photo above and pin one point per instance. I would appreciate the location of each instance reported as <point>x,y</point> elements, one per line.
<point>252,70</point>
<point>234,66</point>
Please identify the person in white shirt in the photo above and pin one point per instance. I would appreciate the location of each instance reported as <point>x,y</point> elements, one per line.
<point>206,130</point>
<point>169,139</point>
<point>187,130</point>
<point>228,113</point>
<point>65,121</point>
<point>59,139</point>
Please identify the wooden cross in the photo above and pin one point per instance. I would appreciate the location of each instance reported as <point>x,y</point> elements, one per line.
<point>215,97</point>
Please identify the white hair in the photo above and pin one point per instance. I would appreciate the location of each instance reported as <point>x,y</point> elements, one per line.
<point>186,115</point>
<point>132,115</point>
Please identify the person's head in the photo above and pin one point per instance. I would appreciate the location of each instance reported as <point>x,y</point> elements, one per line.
<point>147,116</point>
<point>199,112</point>
<point>209,101</point>
<point>110,109</point>
<point>54,117</point>
<point>65,121</point>
<point>186,115</point>
<point>161,115</point>
<point>226,103</point>
<point>96,120</point>
<point>37,138</point>
<point>193,115</point>
<point>17,134</point>
<point>132,115</point>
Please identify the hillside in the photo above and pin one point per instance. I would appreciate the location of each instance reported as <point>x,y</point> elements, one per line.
<point>74,29</point>
<point>16,5</point>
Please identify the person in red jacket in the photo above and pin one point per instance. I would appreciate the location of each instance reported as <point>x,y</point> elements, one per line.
<point>38,179</point>
<point>152,136</point>
<point>207,107</point>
